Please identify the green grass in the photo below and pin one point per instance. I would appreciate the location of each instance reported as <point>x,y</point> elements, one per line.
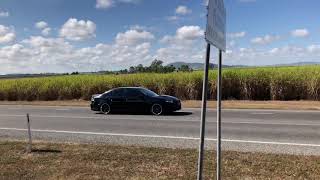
<point>84,161</point>
<point>267,83</point>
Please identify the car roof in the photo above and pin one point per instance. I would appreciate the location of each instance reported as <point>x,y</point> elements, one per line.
<point>124,88</point>
<point>129,88</point>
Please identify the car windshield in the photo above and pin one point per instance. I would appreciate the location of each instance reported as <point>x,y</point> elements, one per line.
<point>149,93</point>
<point>107,92</point>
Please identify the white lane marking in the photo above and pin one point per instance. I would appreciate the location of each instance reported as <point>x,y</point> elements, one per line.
<point>273,110</point>
<point>165,137</point>
<point>157,119</point>
<point>26,106</point>
<point>257,110</point>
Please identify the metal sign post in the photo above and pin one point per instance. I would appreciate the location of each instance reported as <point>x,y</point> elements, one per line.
<point>219,93</point>
<point>203,113</point>
<point>29,146</point>
<point>216,36</point>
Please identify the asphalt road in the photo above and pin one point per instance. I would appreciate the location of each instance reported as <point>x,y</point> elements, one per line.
<point>271,131</point>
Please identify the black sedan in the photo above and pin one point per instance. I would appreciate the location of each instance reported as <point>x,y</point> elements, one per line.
<point>134,99</point>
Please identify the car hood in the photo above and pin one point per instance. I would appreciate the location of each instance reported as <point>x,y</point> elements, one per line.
<point>96,96</point>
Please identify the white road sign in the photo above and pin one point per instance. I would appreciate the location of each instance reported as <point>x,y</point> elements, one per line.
<point>216,25</point>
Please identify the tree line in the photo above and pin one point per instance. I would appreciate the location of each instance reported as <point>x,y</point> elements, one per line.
<point>156,66</point>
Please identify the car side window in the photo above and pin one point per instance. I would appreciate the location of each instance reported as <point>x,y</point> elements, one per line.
<point>118,93</point>
<point>133,93</point>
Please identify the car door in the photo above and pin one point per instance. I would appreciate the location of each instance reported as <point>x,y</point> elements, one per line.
<point>118,100</point>
<point>135,100</point>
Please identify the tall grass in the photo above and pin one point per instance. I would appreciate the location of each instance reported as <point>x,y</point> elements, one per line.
<point>281,83</point>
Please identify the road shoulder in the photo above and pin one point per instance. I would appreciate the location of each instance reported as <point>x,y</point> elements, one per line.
<point>279,105</point>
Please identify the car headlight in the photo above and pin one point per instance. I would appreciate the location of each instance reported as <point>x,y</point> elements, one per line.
<point>169,101</point>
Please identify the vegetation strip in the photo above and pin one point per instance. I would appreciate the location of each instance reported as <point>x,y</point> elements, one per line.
<point>269,83</point>
<point>87,161</point>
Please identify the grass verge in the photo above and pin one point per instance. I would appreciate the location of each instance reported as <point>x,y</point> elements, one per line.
<point>281,105</point>
<point>84,161</point>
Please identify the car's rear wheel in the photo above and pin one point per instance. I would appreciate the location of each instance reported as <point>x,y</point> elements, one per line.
<point>156,109</point>
<point>105,109</point>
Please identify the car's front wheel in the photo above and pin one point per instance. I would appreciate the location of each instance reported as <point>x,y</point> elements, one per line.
<point>105,108</point>
<point>156,109</point>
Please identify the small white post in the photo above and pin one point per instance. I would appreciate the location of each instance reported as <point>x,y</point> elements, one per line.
<point>29,146</point>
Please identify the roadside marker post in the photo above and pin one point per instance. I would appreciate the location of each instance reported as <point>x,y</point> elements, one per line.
<point>216,36</point>
<point>29,146</point>
<point>203,112</point>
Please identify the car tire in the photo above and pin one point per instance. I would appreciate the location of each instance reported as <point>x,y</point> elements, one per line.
<point>105,108</point>
<point>156,109</point>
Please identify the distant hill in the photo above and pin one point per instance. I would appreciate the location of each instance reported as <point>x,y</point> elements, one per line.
<point>197,66</point>
<point>300,63</point>
<point>15,76</point>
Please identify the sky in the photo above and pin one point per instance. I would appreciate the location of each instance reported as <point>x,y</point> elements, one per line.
<point>39,36</point>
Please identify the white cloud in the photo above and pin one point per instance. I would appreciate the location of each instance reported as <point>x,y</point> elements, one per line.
<point>232,43</point>
<point>267,39</point>
<point>41,54</point>
<point>173,18</point>
<point>104,4</point>
<point>189,32</point>
<point>237,34</point>
<point>277,55</point>
<point>133,36</point>
<point>4,14</point>
<point>36,54</point>
<point>287,50</point>
<point>41,25</point>
<point>78,30</point>
<point>46,31</point>
<point>183,35</point>
<point>300,33</point>
<point>7,34</point>
<point>138,27</point>
<point>185,45</point>
<point>314,48</point>
<point>183,10</point>
<point>38,41</point>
